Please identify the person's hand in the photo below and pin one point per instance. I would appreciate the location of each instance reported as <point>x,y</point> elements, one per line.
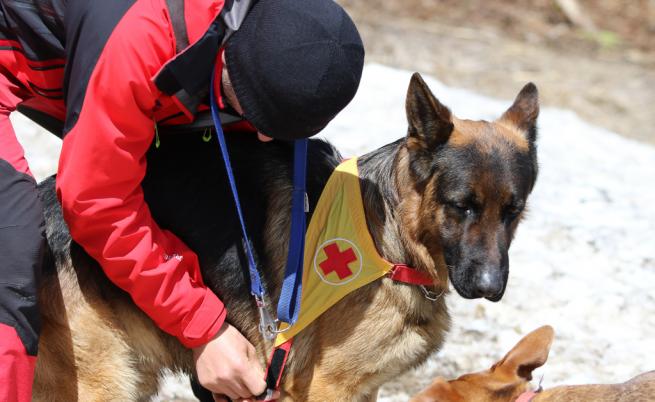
<point>227,366</point>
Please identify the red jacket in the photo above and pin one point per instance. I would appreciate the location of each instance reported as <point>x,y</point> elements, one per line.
<point>115,50</point>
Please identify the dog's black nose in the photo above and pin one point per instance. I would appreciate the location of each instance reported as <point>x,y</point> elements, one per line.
<point>490,283</point>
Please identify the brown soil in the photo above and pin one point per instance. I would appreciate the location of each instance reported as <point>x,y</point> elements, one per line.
<point>604,72</point>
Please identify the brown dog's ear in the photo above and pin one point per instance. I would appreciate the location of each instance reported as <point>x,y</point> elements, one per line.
<point>439,391</point>
<point>524,111</point>
<point>430,125</point>
<point>429,121</point>
<point>530,353</point>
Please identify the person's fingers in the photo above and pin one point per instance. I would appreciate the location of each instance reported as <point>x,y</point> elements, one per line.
<point>227,389</point>
<point>251,388</point>
<point>220,398</point>
<point>242,390</point>
<point>232,390</point>
<point>264,138</point>
<point>253,379</point>
<point>239,390</point>
<point>240,375</point>
<point>274,396</point>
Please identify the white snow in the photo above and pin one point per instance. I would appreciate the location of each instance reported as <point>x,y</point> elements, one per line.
<point>583,261</point>
<point>41,148</point>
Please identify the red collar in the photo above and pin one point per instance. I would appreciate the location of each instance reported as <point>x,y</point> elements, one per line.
<point>412,276</point>
<point>403,273</point>
<point>527,396</point>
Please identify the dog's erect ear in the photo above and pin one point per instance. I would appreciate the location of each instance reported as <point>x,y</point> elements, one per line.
<point>530,353</point>
<point>430,125</point>
<point>439,390</point>
<point>429,121</point>
<point>524,111</point>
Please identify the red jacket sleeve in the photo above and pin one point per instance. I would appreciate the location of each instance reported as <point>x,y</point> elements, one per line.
<point>99,183</point>
<point>10,96</point>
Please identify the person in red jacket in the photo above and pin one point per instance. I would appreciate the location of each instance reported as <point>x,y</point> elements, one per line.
<point>106,73</point>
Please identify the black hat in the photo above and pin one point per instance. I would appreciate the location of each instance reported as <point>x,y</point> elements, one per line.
<point>294,64</point>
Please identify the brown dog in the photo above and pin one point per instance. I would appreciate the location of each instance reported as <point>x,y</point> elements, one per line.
<point>508,381</point>
<point>446,199</point>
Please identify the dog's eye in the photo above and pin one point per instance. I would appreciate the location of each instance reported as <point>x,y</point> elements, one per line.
<point>513,211</point>
<point>461,208</point>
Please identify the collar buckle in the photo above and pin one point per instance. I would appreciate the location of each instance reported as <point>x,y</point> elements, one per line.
<point>411,276</point>
<point>430,295</point>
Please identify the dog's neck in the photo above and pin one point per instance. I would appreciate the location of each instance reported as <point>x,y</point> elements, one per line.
<point>380,178</point>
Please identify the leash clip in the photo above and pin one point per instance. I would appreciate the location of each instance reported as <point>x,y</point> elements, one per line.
<point>267,325</point>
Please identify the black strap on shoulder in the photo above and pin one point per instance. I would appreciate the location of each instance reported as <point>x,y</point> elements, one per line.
<point>187,76</point>
<point>176,12</point>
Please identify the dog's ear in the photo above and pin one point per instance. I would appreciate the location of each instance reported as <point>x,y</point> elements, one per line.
<point>524,111</point>
<point>430,125</point>
<point>530,353</point>
<point>439,391</point>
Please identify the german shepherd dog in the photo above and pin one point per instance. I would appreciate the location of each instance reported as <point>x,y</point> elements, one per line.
<point>446,199</point>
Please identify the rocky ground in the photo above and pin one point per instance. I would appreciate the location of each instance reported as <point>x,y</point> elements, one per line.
<point>605,73</point>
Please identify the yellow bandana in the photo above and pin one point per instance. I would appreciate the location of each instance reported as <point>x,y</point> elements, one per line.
<point>340,255</point>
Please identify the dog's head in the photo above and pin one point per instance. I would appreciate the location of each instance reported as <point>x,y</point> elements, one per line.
<point>469,184</point>
<point>503,382</point>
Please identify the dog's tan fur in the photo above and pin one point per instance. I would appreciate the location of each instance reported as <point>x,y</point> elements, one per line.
<point>98,346</point>
<point>506,380</point>
<point>112,351</point>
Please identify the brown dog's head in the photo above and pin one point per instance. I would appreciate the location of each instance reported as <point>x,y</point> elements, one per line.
<point>469,181</point>
<point>503,382</point>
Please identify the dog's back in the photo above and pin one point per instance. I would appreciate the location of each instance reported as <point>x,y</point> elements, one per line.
<point>639,389</point>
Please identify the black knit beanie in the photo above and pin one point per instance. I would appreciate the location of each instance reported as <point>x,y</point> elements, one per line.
<point>294,64</point>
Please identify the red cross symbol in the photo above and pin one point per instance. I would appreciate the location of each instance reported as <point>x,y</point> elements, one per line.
<point>337,261</point>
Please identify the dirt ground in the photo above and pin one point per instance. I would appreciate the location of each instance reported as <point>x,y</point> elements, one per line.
<point>602,65</point>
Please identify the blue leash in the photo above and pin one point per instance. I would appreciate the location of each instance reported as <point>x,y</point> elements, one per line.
<point>289,303</point>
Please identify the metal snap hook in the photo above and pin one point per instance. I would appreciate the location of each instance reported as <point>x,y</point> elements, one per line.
<point>267,325</point>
